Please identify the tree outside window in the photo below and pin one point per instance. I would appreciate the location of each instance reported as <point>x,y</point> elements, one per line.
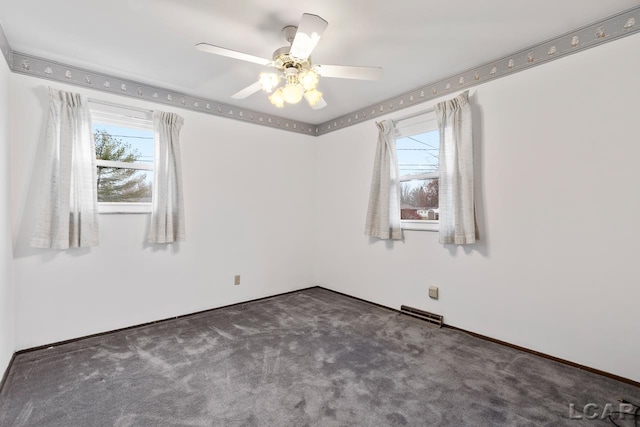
<point>117,184</point>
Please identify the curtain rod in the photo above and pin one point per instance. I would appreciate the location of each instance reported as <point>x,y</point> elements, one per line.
<point>410,116</point>
<point>112,104</point>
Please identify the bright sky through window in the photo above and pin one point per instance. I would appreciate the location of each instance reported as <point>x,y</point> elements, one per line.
<point>418,154</point>
<point>140,140</point>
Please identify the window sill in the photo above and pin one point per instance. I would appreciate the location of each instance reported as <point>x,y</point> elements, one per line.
<point>421,225</point>
<point>124,208</point>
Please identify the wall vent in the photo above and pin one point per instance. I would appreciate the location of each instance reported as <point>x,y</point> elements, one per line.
<point>434,319</point>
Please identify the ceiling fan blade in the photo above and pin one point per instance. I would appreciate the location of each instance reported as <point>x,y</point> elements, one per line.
<point>346,72</point>
<point>319,105</point>
<point>216,50</point>
<point>309,31</point>
<point>247,91</point>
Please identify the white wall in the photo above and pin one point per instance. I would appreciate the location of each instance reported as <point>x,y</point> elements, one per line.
<point>249,209</point>
<point>556,268</point>
<point>6,285</point>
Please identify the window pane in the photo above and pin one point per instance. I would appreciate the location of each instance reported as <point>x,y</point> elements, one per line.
<point>419,199</point>
<point>123,144</point>
<point>124,185</point>
<point>418,153</point>
<point>127,144</point>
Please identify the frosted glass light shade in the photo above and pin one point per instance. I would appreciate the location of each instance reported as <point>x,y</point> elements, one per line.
<point>308,79</point>
<point>313,96</point>
<point>291,93</point>
<point>277,98</point>
<point>268,81</point>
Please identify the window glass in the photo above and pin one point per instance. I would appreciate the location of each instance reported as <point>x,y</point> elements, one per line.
<point>124,145</point>
<point>418,164</point>
<point>124,158</point>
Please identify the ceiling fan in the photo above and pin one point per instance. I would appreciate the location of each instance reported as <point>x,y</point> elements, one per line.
<point>293,66</point>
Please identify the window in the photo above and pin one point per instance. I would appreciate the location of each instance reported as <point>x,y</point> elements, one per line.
<point>124,158</point>
<point>418,148</point>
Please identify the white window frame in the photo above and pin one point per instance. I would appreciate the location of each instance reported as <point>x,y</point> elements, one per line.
<point>415,124</point>
<point>118,115</point>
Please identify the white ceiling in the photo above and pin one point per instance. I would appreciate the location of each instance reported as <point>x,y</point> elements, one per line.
<point>415,41</point>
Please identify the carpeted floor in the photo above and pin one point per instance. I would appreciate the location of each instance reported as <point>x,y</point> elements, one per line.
<point>311,358</point>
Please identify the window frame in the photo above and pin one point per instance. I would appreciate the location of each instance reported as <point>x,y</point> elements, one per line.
<point>416,124</point>
<point>118,115</point>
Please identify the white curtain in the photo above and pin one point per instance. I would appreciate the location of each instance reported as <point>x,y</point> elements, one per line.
<point>457,205</point>
<point>167,214</point>
<point>67,215</point>
<point>383,214</point>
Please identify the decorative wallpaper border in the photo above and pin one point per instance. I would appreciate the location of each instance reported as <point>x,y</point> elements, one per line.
<point>608,29</point>
<point>51,70</point>
<point>5,48</point>
<point>617,26</point>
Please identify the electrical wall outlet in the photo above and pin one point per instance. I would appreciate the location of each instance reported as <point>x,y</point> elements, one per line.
<point>236,280</point>
<point>433,292</point>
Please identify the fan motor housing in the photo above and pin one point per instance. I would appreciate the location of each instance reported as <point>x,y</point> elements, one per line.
<point>282,59</point>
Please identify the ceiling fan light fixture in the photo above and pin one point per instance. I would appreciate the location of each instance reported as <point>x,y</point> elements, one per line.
<point>291,93</point>
<point>308,79</point>
<point>313,96</point>
<point>277,98</point>
<point>268,81</point>
<point>295,75</point>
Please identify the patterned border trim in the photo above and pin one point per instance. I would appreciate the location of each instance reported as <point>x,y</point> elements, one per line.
<point>606,30</point>
<point>43,68</point>
<point>5,48</point>
<point>617,26</point>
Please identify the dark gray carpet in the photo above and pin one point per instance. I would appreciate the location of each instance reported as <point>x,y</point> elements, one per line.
<point>312,358</point>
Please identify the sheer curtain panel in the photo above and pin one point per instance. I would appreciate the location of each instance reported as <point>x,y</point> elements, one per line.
<point>383,214</point>
<point>457,204</point>
<point>167,213</point>
<point>67,215</point>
